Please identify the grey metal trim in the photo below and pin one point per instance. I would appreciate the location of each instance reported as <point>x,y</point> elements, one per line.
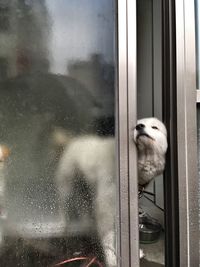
<point>187,134</point>
<point>132,119</point>
<point>171,202</point>
<point>128,199</point>
<point>157,91</point>
<point>197,22</point>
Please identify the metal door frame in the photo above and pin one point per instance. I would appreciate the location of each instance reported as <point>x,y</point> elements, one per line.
<point>179,99</point>
<point>187,133</point>
<point>128,248</point>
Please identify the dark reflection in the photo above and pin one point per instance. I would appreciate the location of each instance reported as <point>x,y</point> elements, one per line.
<point>33,31</point>
<point>25,29</point>
<point>4,17</point>
<point>98,78</point>
<point>47,96</point>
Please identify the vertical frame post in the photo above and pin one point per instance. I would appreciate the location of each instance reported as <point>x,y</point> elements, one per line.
<point>187,133</point>
<point>128,195</point>
<point>171,202</point>
<point>132,119</point>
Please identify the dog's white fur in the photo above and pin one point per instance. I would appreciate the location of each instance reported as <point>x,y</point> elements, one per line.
<point>94,157</point>
<point>151,150</point>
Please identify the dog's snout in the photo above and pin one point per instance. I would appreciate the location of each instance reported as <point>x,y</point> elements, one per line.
<point>140,127</point>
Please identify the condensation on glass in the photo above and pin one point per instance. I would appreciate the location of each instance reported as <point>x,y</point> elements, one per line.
<point>57,98</point>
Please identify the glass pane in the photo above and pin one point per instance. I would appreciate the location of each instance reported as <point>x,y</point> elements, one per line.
<point>149,78</point>
<point>57,122</point>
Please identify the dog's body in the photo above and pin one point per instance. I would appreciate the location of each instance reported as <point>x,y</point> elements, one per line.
<point>94,158</point>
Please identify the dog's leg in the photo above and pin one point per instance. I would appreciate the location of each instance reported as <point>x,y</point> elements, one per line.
<point>105,216</point>
<point>64,182</point>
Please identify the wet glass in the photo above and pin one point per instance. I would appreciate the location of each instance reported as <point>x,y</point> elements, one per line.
<point>57,101</point>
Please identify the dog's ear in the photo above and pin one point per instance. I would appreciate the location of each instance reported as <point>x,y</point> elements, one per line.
<point>61,137</point>
<point>4,153</point>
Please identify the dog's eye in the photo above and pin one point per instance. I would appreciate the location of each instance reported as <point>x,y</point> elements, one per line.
<point>154,127</point>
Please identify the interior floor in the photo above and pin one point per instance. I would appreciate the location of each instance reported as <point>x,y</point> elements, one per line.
<point>153,252</point>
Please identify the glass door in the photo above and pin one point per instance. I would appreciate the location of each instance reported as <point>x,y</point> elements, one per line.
<point>59,135</point>
<point>69,102</point>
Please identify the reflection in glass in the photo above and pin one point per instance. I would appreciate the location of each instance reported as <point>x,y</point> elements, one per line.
<point>56,86</point>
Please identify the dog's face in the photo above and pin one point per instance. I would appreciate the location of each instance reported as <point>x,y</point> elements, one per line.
<point>151,134</point>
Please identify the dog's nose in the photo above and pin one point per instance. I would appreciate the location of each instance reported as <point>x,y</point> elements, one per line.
<point>140,127</point>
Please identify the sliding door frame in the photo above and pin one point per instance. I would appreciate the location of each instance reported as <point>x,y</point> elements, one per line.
<point>187,133</point>
<point>179,110</point>
<point>128,248</point>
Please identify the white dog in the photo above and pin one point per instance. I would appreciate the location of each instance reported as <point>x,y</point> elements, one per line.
<point>94,158</point>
